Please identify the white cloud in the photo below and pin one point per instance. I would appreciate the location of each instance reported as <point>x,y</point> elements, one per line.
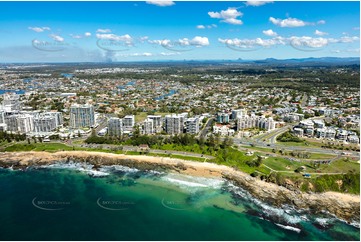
<point>320,33</point>
<point>39,29</point>
<point>252,43</point>
<point>103,31</point>
<point>269,32</point>
<point>57,38</point>
<point>210,26</point>
<point>357,50</point>
<point>164,3</point>
<point>348,39</point>
<point>197,41</point>
<point>164,42</point>
<point>257,3</point>
<point>233,21</point>
<point>169,53</point>
<point>289,22</point>
<point>321,21</point>
<point>76,36</point>
<point>143,38</point>
<point>228,16</point>
<point>298,42</point>
<point>145,54</point>
<point>79,36</point>
<point>306,41</point>
<point>123,38</point>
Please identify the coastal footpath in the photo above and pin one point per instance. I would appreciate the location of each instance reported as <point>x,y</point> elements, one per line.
<point>344,206</point>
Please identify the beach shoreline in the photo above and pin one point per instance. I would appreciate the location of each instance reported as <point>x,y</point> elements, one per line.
<point>343,206</point>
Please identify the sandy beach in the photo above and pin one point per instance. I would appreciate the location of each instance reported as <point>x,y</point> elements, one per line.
<point>344,206</point>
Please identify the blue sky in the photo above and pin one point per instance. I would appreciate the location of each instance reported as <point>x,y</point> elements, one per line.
<point>154,30</point>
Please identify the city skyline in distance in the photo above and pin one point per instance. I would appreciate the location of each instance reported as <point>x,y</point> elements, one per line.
<point>166,30</point>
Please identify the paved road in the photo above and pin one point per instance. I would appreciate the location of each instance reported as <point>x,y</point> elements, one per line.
<point>304,100</point>
<point>206,128</point>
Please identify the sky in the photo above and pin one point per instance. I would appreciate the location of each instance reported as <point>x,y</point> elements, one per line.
<point>177,30</point>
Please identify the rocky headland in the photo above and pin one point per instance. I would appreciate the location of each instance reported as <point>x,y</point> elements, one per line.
<point>344,206</point>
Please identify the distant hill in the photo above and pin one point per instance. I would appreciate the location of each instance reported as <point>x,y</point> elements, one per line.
<point>308,61</point>
<point>304,62</point>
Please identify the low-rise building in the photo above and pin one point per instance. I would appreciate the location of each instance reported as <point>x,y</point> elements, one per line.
<point>223,130</point>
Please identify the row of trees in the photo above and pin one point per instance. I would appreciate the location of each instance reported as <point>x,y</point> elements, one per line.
<point>137,139</point>
<point>288,137</point>
<point>4,136</point>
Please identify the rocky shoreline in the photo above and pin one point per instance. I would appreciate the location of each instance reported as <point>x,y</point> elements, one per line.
<point>344,206</point>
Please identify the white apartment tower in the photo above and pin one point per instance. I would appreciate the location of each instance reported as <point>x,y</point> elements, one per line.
<point>11,102</point>
<point>238,113</point>
<point>192,125</point>
<point>128,122</point>
<point>174,124</point>
<point>44,123</point>
<point>81,116</point>
<point>148,126</point>
<point>115,127</point>
<point>157,122</point>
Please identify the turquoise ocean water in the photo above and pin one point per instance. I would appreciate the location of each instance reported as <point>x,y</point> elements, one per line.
<point>63,202</point>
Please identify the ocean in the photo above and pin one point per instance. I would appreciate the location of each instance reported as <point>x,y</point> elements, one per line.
<point>70,202</point>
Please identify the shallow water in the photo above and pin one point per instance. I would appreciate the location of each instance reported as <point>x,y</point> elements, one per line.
<point>65,203</point>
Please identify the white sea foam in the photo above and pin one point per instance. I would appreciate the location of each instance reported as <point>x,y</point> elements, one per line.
<point>120,168</point>
<point>95,173</point>
<point>355,224</point>
<point>323,221</point>
<point>185,181</point>
<point>286,213</point>
<point>70,165</point>
<point>289,228</point>
<point>82,167</point>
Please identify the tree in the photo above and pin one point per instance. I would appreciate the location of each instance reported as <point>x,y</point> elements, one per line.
<point>227,142</point>
<point>259,161</point>
<point>211,141</point>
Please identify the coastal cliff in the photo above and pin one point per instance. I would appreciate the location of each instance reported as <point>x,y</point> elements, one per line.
<point>344,206</point>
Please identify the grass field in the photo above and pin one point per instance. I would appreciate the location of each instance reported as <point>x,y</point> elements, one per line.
<point>341,166</point>
<point>321,156</point>
<point>39,147</point>
<point>299,144</point>
<point>313,155</point>
<point>281,164</point>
